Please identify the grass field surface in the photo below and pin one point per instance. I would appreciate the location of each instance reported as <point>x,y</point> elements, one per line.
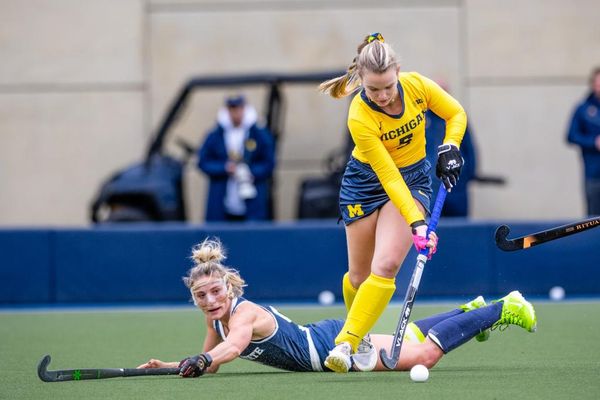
<point>560,361</point>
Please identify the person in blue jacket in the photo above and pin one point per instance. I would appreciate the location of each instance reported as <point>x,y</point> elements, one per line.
<point>584,131</point>
<point>238,156</point>
<point>457,201</point>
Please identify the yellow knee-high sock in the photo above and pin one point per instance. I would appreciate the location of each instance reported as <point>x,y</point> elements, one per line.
<point>348,291</point>
<point>372,297</point>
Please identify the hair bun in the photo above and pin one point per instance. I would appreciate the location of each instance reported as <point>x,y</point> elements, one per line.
<point>208,251</point>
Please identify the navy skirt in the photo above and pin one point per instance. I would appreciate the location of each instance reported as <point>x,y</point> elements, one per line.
<point>361,192</point>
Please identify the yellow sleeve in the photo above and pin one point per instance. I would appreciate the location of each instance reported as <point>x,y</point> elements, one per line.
<point>448,108</point>
<point>367,141</point>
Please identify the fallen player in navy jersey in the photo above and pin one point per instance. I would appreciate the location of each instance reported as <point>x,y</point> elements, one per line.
<point>237,327</point>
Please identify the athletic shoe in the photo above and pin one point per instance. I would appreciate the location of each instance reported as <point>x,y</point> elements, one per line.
<point>516,311</point>
<point>474,304</point>
<point>477,302</point>
<point>365,358</point>
<point>339,359</point>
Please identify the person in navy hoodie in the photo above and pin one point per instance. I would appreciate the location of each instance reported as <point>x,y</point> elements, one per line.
<point>584,131</point>
<point>238,156</point>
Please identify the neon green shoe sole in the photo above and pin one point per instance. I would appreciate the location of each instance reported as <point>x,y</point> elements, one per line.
<point>474,304</point>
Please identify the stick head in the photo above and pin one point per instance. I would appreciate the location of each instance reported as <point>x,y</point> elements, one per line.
<point>388,362</point>
<point>501,233</point>
<point>43,369</point>
<point>507,244</point>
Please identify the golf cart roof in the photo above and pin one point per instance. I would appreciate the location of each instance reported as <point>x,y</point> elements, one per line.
<point>272,80</point>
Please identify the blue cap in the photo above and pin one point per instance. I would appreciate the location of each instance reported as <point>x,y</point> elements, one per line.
<point>235,101</point>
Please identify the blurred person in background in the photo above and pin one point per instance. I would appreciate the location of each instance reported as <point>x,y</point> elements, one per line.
<point>457,201</point>
<point>584,132</point>
<point>239,157</point>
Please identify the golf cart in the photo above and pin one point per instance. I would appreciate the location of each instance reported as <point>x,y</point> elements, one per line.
<point>152,190</point>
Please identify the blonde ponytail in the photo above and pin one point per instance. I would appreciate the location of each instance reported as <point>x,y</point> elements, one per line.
<point>374,55</point>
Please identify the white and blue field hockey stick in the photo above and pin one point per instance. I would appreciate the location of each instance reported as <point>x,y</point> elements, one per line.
<point>391,361</point>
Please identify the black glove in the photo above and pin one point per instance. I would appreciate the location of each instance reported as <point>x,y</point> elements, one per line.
<point>449,163</point>
<point>194,366</point>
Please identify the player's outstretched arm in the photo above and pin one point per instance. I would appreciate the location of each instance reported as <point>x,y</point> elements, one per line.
<point>155,363</point>
<point>241,328</point>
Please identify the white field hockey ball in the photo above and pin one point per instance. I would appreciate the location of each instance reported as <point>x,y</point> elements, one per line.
<point>419,373</point>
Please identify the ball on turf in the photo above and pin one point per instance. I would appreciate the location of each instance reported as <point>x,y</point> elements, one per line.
<point>326,298</point>
<point>419,373</point>
<point>557,293</point>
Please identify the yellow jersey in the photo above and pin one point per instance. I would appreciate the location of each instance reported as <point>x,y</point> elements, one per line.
<point>388,142</point>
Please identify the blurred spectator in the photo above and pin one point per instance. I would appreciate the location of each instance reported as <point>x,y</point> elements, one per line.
<point>457,202</point>
<point>585,132</point>
<point>238,156</point>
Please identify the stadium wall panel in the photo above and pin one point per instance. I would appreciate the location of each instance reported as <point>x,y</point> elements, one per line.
<point>26,266</point>
<point>280,262</point>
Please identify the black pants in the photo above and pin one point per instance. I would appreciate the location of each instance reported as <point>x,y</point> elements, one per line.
<point>592,194</point>
<point>234,218</point>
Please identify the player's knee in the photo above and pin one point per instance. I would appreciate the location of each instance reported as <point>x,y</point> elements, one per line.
<point>386,267</point>
<point>430,361</point>
<point>430,355</point>
<point>357,278</point>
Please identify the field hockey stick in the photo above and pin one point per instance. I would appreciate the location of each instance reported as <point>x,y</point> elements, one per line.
<point>391,361</point>
<point>104,373</point>
<point>525,242</point>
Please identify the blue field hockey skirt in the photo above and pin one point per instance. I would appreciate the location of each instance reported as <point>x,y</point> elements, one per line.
<point>361,192</point>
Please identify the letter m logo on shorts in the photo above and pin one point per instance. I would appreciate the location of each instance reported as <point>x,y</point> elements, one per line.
<point>354,210</point>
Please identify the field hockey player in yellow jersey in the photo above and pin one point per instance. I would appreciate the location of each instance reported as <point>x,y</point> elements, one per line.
<point>386,189</point>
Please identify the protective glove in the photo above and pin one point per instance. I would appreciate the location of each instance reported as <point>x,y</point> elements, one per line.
<point>448,166</point>
<point>192,367</point>
<point>419,231</point>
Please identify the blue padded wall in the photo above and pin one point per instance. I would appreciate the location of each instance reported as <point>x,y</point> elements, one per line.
<point>280,262</point>
<point>122,264</point>
<point>462,264</point>
<point>26,266</point>
<point>147,262</point>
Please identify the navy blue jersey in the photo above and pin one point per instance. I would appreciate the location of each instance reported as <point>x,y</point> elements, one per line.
<point>291,347</point>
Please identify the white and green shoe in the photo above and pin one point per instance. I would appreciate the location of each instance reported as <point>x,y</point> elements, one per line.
<point>365,358</point>
<point>516,311</point>
<point>477,302</point>
<point>339,359</point>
